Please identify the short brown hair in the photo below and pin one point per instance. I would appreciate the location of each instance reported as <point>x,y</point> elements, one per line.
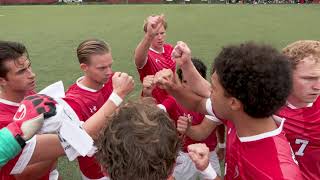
<point>91,47</point>
<point>145,24</point>
<point>139,143</point>
<point>299,50</point>
<point>10,51</point>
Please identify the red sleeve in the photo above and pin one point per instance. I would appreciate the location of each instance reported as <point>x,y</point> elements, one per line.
<point>173,109</point>
<point>5,170</point>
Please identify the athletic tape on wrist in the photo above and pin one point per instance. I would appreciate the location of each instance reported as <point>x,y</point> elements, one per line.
<point>115,98</point>
<point>209,173</point>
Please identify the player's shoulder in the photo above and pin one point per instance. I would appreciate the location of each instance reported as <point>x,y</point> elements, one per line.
<point>168,47</point>
<point>72,88</point>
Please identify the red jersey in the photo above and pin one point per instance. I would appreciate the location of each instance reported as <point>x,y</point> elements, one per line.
<point>302,127</point>
<point>263,156</point>
<point>157,61</point>
<point>8,109</point>
<point>266,156</point>
<point>175,110</point>
<point>85,102</point>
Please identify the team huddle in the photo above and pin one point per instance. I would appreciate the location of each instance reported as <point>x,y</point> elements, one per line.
<point>259,113</point>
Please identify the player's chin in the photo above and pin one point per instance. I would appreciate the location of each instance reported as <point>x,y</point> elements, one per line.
<point>312,98</point>
<point>31,87</point>
<point>104,80</point>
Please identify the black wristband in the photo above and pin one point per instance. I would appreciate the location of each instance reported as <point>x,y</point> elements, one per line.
<point>20,140</point>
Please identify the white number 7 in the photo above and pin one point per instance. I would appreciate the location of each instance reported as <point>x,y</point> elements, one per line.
<point>303,146</point>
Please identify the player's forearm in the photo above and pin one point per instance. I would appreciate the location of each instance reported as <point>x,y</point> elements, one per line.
<point>100,119</point>
<point>221,133</point>
<point>199,85</point>
<point>188,99</point>
<point>197,133</point>
<point>36,171</point>
<point>146,92</point>
<point>48,148</point>
<point>9,147</point>
<point>141,52</point>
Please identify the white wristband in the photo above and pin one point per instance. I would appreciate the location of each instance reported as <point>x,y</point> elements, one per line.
<point>222,145</point>
<point>209,173</point>
<point>115,98</point>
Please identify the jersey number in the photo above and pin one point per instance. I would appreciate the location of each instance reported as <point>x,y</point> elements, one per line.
<point>303,146</point>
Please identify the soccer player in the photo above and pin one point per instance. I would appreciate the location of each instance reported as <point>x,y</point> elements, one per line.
<point>250,83</point>
<point>302,110</point>
<point>185,169</point>
<point>91,91</point>
<point>140,143</point>
<point>16,81</point>
<point>152,53</point>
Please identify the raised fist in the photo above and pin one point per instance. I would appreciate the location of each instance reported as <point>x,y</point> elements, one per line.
<point>181,53</point>
<point>199,154</point>
<point>122,84</point>
<point>154,23</point>
<point>183,123</point>
<point>148,85</point>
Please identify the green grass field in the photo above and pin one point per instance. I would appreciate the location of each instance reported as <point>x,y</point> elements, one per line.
<point>52,34</point>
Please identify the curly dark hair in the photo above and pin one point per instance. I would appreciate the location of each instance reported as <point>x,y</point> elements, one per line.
<point>257,75</point>
<point>10,51</point>
<point>199,65</point>
<point>139,143</point>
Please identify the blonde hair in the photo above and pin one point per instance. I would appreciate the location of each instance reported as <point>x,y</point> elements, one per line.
<point>299,50</point>
<point>91,47</point>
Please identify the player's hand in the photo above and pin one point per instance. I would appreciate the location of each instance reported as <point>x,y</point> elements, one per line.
<point>183,123</point>
<point>181,53</point>
<point>164,79</point>
<point>199,154</point>
<point>31,114</point>
<point>122,84</point>
<point>154,23</point>
<point>148,85</point>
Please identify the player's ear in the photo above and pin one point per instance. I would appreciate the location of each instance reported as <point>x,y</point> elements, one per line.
<point>84,67</point>
<point>3,81</point>
<point>235,104</point>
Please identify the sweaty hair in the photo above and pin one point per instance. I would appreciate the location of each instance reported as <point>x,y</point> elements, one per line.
<point>91,47</point>
<point>139,143</point>
<point>145,24</point>
<point>299,50</point>
<point>257,75</point>
<point>199,65</point>
<point>10,51</point>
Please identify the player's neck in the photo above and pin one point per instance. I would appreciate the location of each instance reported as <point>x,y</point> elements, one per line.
<point>157,49</point>
<point>248,126</point>
<point>87,82</point>
<point>296,102</point>
<point>12,96</point>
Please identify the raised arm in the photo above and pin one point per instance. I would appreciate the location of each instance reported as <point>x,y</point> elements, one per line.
<point>166,80</point>
<point>122,85</point>
<point>153,24</point>
<point>199,154</point>
<point>197,132</point>
<point>182,55</point>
